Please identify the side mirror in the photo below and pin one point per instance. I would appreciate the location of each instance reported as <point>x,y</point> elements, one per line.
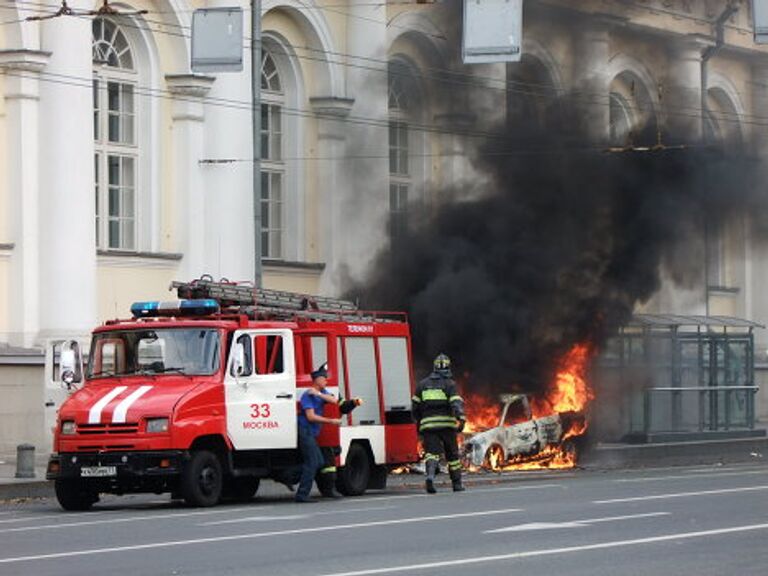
<point>238,361</point>
<point>71,364</point>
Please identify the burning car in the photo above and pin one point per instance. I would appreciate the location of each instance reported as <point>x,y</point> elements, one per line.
<point>519,437</point>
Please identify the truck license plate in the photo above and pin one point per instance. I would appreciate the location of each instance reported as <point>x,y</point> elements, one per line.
<point>98,471</point>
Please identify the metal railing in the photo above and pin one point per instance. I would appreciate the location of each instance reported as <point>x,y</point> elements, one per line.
<point>698,408</point>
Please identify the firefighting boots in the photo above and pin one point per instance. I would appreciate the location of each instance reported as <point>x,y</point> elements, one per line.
<point>456,481</point>
<point>431,472</point>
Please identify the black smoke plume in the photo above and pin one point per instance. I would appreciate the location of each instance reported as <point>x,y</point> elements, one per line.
<point>557,248</point>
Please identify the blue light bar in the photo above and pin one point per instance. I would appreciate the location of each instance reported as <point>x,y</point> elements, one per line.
<point>202,307</point>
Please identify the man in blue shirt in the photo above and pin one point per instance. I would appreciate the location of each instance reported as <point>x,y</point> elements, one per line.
<point>310,420</point>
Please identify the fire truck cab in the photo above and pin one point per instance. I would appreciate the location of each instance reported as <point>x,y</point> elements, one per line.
<point>198,397</point>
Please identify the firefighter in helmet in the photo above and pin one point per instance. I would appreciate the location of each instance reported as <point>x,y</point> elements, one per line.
<point>439,414</point>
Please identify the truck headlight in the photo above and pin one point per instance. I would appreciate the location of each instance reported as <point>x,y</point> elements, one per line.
<point>68,427</point>
<point>157,425</point>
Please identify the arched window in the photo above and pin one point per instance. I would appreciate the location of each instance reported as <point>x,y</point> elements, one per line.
<point>712,133</point>
<point>403,106</point>
<point>620,122</point>
<point>115,134</point>
<point>531,96</point>
<point>272,165</point>
<point>632,113</point>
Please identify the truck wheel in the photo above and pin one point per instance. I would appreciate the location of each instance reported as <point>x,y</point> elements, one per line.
<point>354,475</point>
<point>202,479</point>
<point>73,496</point>
<point>242,489</point>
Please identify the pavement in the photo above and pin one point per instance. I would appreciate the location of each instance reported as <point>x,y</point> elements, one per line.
<point>600,456</point>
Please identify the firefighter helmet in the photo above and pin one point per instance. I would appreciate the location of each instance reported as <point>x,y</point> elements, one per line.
<point>442,363</point>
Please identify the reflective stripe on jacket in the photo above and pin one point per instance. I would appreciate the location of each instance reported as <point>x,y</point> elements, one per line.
<point>436,404</point>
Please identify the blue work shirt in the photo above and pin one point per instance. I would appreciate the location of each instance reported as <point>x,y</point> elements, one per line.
<point>311,401</point>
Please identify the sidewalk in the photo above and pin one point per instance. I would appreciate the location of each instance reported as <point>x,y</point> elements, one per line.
<point>12,487</point>
<point>597,457</point>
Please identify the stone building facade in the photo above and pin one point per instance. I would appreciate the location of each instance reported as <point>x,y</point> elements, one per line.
<point>120,170</point>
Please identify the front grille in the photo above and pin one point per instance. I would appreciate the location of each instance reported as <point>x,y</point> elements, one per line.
<point>93,429</point>
<point>110,448</point>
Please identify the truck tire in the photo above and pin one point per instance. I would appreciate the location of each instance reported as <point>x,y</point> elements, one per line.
<point>242,489</point>
<point>73,496</point>
<point>202,479</point>
<point>354,475</point>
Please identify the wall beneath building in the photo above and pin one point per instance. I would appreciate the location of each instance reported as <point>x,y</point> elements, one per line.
<point>22,409</point>
<point>4,266</point>
<point>122,282</point>
<point>305,280</point>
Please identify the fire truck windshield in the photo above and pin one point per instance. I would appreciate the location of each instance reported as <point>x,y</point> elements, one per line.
<point>189,351</point>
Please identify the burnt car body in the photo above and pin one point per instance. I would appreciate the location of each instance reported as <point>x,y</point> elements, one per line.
<point>517,436</point>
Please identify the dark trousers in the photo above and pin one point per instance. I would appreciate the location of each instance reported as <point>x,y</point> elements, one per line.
<point>326,476</point>
<point>441,441</point>
<point>312,461</point>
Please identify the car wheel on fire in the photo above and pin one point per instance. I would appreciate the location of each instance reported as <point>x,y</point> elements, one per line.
<point>494,457</point>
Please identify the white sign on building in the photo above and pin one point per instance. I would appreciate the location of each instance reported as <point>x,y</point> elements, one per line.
<point>760,20</point>
<point>217,40</point>
<point>493,31</point>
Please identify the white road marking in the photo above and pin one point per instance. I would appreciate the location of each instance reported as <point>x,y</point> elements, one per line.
<point>691,476</point>
<point>408,568</point>
<point>536,526</point>
<point>572,523</point>
<point>681,495</point>
<point>94,414</point>
<point>255,519</point>
<point>732,467</point>
<point>121,520</point>
<point>28,519</point>
<point>252,536</point>
<point>450,493</point>
<point>355,510</point>
<point>294,517</point>
<point>118,416</point>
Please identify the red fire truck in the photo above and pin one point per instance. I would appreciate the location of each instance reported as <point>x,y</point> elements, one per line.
<point>197,397</point>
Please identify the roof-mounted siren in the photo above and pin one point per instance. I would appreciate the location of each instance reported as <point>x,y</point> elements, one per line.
<point>200,307</point>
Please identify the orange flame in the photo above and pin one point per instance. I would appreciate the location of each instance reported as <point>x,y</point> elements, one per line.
<point>482,413</point>
<point>569,392</point>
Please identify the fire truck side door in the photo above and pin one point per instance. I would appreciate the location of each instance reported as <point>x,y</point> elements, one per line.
<point>261,400</point>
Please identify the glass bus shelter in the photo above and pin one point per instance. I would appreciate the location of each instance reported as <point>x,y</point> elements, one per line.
<point>667,377</point>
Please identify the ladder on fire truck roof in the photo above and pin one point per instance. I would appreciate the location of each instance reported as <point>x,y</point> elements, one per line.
<point>265,303</point>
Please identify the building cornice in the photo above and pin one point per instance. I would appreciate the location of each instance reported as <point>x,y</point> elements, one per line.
<point>26,60</point>
<point>117,259</point>
<point>195,85</point>
<point>293,268</point>
<point>332,106</point>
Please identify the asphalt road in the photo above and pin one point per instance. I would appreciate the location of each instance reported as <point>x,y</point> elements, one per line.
<point>673,521</point>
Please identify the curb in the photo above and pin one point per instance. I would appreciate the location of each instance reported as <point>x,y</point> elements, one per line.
<point>20,489</point>
<point>705,452</point>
